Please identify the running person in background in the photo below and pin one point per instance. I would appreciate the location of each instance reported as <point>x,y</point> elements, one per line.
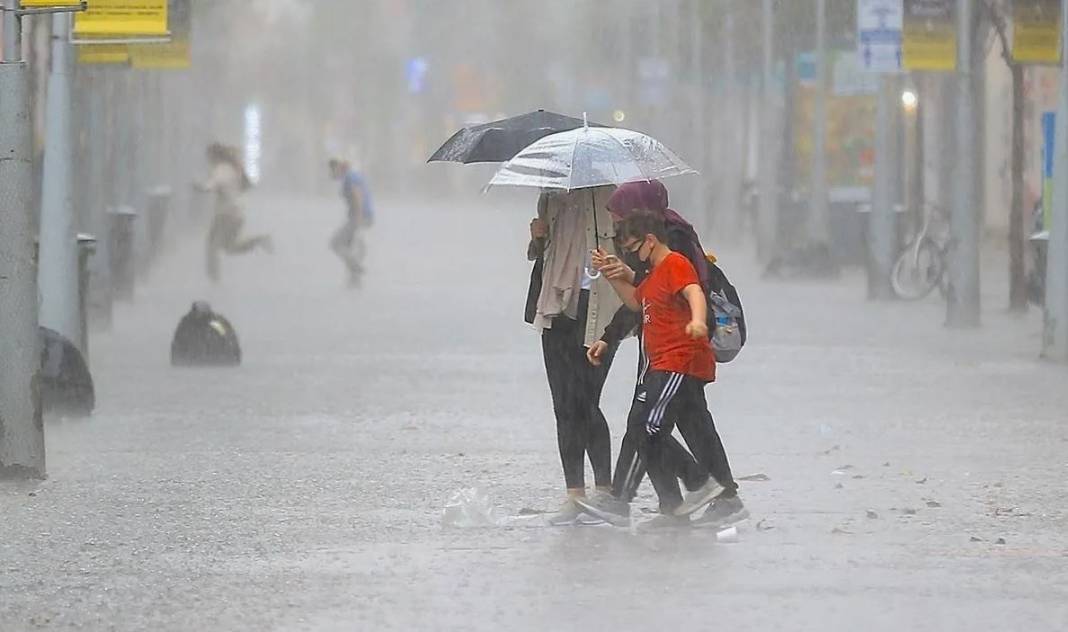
<point>347,243</point>
<point>228,181</point>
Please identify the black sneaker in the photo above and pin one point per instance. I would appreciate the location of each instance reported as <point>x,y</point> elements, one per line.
<point>606,507</point>
<point>723,512</point>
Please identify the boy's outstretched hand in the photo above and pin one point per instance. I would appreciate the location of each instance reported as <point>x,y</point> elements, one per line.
<point>596,352</point>
<point>697,329</point>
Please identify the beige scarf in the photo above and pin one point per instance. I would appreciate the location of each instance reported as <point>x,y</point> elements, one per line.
<point>565,259</point>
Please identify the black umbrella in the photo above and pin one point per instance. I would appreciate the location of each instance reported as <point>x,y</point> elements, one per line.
<point>499,141</point>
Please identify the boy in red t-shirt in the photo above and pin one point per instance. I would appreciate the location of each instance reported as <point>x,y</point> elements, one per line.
<point>675,336</point>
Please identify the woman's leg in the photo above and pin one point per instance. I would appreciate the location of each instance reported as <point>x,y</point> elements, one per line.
<point>699,431</point>
<point>231,233</point>
<point>558,351</point>
<point>598,437</point>
<point>214,245</point>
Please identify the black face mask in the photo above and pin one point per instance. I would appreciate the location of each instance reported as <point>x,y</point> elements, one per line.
<point>634,262</point>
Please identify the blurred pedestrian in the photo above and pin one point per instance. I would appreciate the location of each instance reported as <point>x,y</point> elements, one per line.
<point>570,305</point>
<point>347,242</point>
<point>228,181</point>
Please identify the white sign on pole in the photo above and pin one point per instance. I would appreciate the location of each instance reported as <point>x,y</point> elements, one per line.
<point>879,24</point>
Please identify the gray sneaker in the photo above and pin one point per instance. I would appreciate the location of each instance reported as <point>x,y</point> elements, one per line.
<point>722,513</point>
<point>699,497</point>
<point>571,514</point>
<point>664,522</point>
<point>566,515</point>
<point>606,507</point>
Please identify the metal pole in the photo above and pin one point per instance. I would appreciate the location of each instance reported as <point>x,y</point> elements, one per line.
<point>1055,335</point>
<point>881,223</point>
<point>819,215</point>
<point>22,448</point>
<point>99,102</point>
<point>12,32</point>
<point>769,202</point>
<point>962,308</point>
<point>699,114</point>
<point>733,148</point>
<point>58,273</point>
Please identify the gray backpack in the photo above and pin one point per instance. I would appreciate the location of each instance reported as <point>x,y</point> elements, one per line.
<point>727,330</point>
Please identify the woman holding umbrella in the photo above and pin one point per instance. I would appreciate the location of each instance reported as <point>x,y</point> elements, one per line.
<point>571,308</point>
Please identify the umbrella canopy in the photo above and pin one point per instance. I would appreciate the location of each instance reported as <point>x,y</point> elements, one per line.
<point>590,157</point>
<point>499,141</point>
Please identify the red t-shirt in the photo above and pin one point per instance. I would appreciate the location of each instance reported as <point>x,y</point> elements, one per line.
<point>665,314</point>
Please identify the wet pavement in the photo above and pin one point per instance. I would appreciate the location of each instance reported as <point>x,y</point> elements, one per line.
<point>915,475</point>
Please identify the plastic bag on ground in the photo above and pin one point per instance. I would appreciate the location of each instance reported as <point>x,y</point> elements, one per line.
<point>470,508</point>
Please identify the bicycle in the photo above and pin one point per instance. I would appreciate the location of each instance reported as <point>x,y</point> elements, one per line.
<point>921,266</point>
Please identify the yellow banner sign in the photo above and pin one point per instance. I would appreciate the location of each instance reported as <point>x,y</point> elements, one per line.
<point>122,18</point>
<point>110,54</point>
<point>1036,32</point>
<point>43,4</point>
<point>929,35</point>
<point>172,55</point>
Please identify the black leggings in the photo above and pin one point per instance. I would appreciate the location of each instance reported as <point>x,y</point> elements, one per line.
<point>575,385</point>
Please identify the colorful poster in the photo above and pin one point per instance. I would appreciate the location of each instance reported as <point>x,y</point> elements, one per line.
<point>850,130</point>
<point>1036,31</point>
<point>1049,120</point>
<point>930,35</point>
<point>106,19</point>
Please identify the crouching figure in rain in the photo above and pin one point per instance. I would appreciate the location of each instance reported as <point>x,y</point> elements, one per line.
<point>228,181</point>
<point>205,338</point>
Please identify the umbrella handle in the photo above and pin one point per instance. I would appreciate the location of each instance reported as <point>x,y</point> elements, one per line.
<point>596,231</point>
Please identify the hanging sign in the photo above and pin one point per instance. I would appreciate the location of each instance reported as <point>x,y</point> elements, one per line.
<point>48,4</point>
<point>105,54</point>
<point>174,54</point>
<point>106,19</point>
<point>1036,31</point>
<point>879,35</point>
<point>930,35</point>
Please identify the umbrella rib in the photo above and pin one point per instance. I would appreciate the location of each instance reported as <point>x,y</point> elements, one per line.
<point>571,173</point>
